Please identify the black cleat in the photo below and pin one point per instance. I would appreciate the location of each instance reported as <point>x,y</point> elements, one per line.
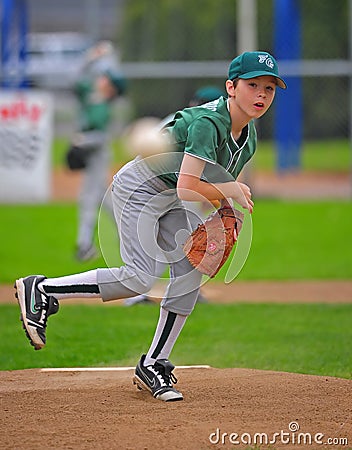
<point>157,379</point>
<point>36,307</point>
<point>86,253</point>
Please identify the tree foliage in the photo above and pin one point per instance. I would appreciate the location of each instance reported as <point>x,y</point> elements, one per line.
<point>173,30</point>
<point>184,30</point>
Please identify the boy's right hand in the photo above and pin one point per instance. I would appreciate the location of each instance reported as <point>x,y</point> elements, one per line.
<point>243,196</point>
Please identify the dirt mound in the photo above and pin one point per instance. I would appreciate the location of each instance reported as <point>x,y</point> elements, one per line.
<point>297,291</point>
<point>223,408</point>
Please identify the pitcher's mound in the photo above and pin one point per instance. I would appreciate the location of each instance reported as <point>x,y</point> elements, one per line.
<point>223,408</point>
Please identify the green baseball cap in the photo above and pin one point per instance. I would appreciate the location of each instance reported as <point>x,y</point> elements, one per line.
<point>208,93</point>
<point>255,64</point>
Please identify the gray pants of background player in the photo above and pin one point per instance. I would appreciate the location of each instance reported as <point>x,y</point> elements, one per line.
<point>152,222</point>
<point>94,184</point>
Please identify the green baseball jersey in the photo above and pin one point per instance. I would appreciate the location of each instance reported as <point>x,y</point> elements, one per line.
<point>95,113</point>
<point>205,132</point>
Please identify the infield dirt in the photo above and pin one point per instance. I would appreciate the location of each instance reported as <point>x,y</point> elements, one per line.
<point>103,410</point>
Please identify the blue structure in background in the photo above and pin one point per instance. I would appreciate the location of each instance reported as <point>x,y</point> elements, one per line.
<point>13,43</point>
<point>288,103</point>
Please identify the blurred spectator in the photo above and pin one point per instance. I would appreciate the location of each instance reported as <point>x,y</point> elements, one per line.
<point>100,83</point>
<point>100,58</point>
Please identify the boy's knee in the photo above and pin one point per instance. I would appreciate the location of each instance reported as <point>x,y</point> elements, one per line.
<point>142,284</point>
<point>114,285</point>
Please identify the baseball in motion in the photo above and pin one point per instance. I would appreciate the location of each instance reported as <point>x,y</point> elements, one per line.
<point>143,137</point>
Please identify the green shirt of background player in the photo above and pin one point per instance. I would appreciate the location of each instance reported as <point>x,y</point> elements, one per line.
<point>95,98</point>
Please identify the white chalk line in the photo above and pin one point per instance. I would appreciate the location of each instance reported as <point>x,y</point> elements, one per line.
<point>109,369</point>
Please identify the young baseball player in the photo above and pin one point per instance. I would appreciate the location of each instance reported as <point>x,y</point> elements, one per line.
<point>202,95</point>
<point>99,83</point>
<point>211,144</point>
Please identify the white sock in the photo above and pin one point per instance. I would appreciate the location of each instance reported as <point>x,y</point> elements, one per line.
<point>167,331</point>
<point>72,286</point>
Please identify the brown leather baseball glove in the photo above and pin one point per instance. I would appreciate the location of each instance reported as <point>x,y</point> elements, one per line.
<point>210,244</point>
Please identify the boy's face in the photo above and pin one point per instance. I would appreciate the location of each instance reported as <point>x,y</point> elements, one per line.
<point>253,96</point>
<point>105,87</point>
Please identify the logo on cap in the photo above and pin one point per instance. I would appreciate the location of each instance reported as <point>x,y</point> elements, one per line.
<point>267,60</point>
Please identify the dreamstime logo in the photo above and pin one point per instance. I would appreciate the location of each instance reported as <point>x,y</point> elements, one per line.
<point>140,208</point>
<point>293,426</point>
<point>293,436</point>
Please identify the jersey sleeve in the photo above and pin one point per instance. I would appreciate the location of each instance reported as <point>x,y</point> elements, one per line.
<point>81,89</point>
<point>202,140</point>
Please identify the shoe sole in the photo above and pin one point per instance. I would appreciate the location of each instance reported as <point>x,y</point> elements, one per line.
<point>143,386</point>
<point>31,331</point>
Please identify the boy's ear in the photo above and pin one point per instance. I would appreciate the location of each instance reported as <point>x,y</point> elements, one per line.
<point>230,88</point>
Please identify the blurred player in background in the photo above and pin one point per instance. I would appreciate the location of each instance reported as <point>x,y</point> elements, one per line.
<point>203,95</point>
<point>100,82</point>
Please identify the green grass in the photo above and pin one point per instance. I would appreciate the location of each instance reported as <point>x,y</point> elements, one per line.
<point>311,339</point>
<point>301,240</point>
<point>37,239</point>
<point>59,149</point>
<point>329,155</point>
